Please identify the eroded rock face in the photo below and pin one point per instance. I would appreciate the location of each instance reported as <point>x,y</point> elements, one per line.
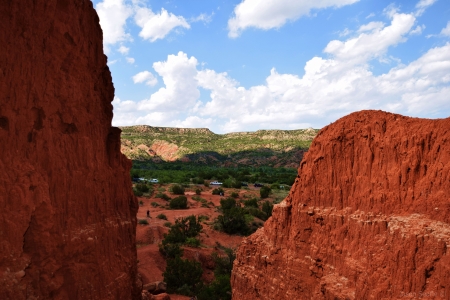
<point>368,217</point>
<point>67,212</point>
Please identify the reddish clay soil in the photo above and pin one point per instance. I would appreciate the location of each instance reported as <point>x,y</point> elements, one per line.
<point>151,264</point>
<point>367,218</point>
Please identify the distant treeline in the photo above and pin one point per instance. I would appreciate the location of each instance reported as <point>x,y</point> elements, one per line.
<point>182,172</point>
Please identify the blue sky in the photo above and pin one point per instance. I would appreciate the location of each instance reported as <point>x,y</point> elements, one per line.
<point>246,65</point>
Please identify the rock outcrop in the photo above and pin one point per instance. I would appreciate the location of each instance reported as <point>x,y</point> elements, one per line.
<point>367,218</point>
<point>67,212</point>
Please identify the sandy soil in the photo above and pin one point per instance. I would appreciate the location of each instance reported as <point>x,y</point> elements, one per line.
<point>151,263</point>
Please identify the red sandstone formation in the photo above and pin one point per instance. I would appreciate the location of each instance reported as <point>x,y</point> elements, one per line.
<point>67,212</point>
<point>368,217</point>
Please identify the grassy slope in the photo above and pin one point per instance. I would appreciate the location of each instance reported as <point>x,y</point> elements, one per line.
<point>203,145</point>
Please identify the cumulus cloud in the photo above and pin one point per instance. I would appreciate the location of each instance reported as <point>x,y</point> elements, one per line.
<point>205,18</point>
<point>446,31</point>
<point>157,26</point>
<point>124,50</point>
<point>269,14</point>
<point>418,30</point>
<point>130,60</point>
<point>145,76</point>
<point>113,16</point>
<point>332,86</point>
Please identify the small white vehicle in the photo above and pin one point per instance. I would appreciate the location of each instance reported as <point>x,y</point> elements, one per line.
<point>215,183</point>
<point>154,180</point>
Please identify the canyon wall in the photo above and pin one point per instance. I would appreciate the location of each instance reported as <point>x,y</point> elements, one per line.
<point>367,218</point>
<point>67,212</point>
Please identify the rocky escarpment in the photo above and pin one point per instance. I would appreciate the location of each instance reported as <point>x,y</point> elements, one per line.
<point>368,217</point>
<point>68,215</point>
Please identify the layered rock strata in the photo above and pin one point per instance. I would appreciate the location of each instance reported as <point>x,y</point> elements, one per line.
<point>367,218</point>
<point>67,212</point>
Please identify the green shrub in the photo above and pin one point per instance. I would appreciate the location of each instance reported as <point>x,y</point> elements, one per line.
<point>143,222</point>
<point>227,203</point>
<point>177,189</point>
<point>251,203</point>
<point>141,203</point>
<point>167,224</point>
<point>202,218</point>
<point>142,187</point>
<point>267,208</point>
<point>162,196</point>
<point>233,221</point>
<point>218,191</point>
<point>138,193</point>
<point>170,250</point>
<point>235,195</point>
<point>192,242</point>
<point>264,191</point>
<point>162,216</point>
<point>206,183</point>
<point>155,204</point>
<point>183,276</point>
<point>198,191</point>
<point>179,202</point>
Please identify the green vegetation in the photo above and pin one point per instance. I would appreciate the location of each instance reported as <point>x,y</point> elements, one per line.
<point>179,202</point>
<point>220,288</point>
<point>177,189</point>
<point>142,222</point>
<point>265,191</point>
<point>162,216</point>
<point>203,146</point>
<point>183,276</point>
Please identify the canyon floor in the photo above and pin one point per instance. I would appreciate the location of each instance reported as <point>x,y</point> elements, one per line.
<point>151,263</point>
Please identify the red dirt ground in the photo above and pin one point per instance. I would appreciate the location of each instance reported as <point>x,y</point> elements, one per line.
<point>151,264</point>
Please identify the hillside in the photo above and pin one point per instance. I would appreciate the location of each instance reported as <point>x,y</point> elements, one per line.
<point>277,148</point>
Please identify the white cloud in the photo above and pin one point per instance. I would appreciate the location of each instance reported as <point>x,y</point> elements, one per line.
<point>446,31</point>
<point>418,30</point>
<point>422,5</point>
<point>269,14</point>
<point>157,26</point>
<point>124,50</point>
<point>145,76</point>
<point>113,15</point>
<point>205,18</point>
<point>375,44</point>
<point>130,60</point>
<point>180,92</point>
<point>331,87</point>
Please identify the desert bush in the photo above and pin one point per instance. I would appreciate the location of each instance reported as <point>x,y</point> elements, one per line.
<point>155,204</point>
<point>177,189</point>
<point>198,191</point>
<point>179,202</point>
<point>235,195</point>
<point>162,216</point>
<point>233,221</point>
<point>143,222</point>
<point>142,187</point>
<point>192,242</point>
<point>218,191</point>
<point>141,203</point>
<point>170,250</point>
<point>227,203</point>
<point>167,224</point>
<point>183,276</point>
<point>162,196</point>
<point>251,203</point>
<point>267,208</point>
<point>138,193</point>
<point>264,192</point>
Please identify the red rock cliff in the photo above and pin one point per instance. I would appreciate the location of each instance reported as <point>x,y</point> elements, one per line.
<point>67,212</point>
<point>368,217</point>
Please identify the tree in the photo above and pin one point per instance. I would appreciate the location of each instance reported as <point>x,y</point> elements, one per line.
<point>183,276</point>
<point>264,191</point>
<point>179,202</point>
